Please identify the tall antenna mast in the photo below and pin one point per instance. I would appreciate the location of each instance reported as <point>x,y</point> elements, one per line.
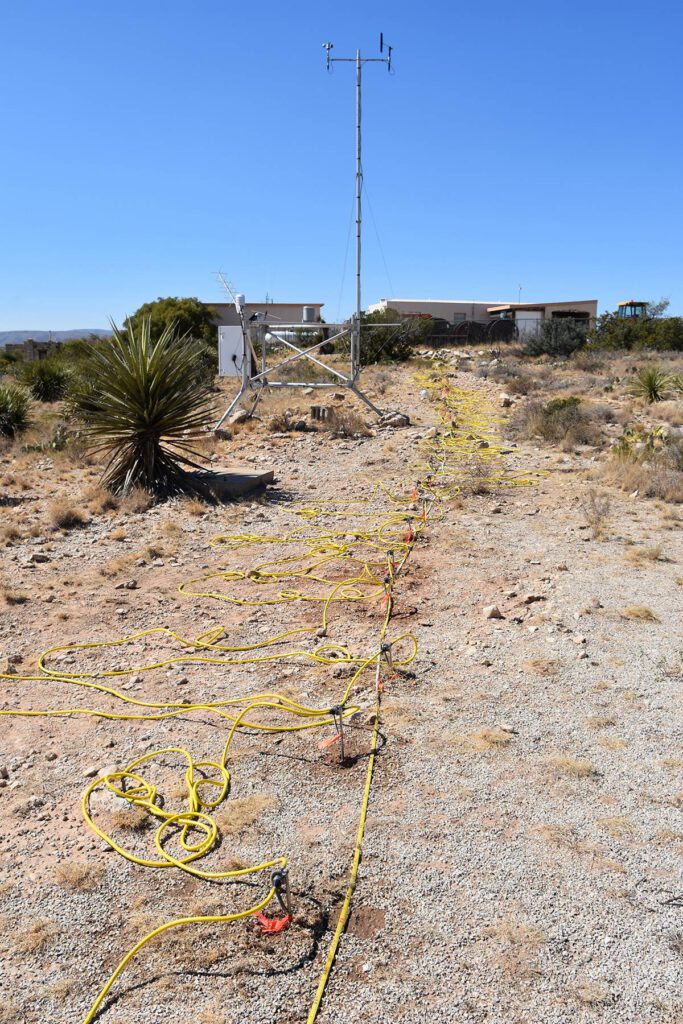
<point>359,61</point>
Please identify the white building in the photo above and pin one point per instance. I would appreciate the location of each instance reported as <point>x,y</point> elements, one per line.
<point>527,315</point>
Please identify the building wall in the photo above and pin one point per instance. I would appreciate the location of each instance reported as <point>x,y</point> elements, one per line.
<point>471,310</point>
<point>452,310</point>
<point>278,312</point>
<point>31,350</point>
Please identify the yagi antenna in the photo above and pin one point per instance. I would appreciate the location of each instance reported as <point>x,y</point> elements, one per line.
<point>389,49</point>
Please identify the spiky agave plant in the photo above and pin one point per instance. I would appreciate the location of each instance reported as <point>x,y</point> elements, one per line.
<point>144,404</point>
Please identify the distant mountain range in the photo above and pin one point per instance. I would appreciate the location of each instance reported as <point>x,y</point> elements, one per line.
<point>16,337</point>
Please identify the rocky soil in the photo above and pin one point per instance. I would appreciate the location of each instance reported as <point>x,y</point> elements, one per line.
<point>522,856</point>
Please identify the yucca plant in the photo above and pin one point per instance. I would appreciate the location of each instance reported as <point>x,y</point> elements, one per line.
<point>653,384</point>
<point>46,379</point>
<point>144,403</point>
<point>14,403</point>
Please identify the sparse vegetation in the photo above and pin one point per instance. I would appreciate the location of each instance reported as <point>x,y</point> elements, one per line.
<point>569,766</point>
<point>563,421</point>
<point>239,814</point>
<point>639,612</point>
<point>343,422</point>
<point>79,876</point>
<point>642,554</point>
<point>492,738</point>
<point>34,936</point>
<point>65,516</point>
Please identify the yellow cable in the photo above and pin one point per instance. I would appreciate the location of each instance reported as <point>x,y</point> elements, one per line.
<point>349,564</point>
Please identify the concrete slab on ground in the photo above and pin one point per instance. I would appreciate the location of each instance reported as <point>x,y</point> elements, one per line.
<point>233,482</point>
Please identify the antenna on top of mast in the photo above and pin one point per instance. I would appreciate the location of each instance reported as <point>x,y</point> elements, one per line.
<point>359,61</point>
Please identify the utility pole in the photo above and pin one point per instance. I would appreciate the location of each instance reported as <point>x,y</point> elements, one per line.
<point>359,60</point>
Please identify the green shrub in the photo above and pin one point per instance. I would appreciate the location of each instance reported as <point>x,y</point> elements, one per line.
<point>558,337</point>
<point>143,404</point>
<point>390,344</point>
<point>655,333</point>
<point>46,379</point>
<point>563,420</point>
<point>14,404</point>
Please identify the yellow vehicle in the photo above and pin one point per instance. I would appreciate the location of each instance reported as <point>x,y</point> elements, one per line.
<point>632,309</point>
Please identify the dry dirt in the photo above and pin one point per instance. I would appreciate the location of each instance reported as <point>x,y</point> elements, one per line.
<point>522,856</point>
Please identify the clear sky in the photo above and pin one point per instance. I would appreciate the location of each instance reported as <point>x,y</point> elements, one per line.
<point>148,143</point>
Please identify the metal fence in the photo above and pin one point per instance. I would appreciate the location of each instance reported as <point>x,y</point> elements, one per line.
<point>497,331</point>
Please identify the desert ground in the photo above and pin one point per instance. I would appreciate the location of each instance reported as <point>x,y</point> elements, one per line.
<point>521,858</point>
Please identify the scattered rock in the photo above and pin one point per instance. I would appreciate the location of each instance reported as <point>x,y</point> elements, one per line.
<point>395,419</point>
<point>492,611</point>
<point>240,416</point>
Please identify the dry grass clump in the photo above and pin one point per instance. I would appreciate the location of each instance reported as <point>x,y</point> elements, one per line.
<point>343,422</point>
<point>64,516</point>
<point>9,533</point>
<point>117,566</point>
<point>592,993</point>
<point>239,814</point>
<point>484,739</point>
<point>596,509</point>
<point>34,936</point>
<point>612,742</point>
<point>12,597</point>
<point>100,500</point>
<point>637,555</point>
<point>618,826</point>
<point>541,667</point>
<point>672,412</point>
<point>131,818</point>
<point>516,932</point>
<point>136,501</point>
<point>61,990</point>
<point>79,875</point>
<point>280,422</point>
<point>649,463</point>
<point>120,534</point>
<point>577,769</point>
<point>607,864</point>
<point>562,836</point>
<point>638,612</point>
<point>600,721</point>
<point>476,476</point>
<point>194,507</point>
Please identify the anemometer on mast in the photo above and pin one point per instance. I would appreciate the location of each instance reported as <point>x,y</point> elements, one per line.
<point>257,336</point>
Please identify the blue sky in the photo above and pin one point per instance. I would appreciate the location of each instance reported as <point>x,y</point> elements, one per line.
<point>148,144</point>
